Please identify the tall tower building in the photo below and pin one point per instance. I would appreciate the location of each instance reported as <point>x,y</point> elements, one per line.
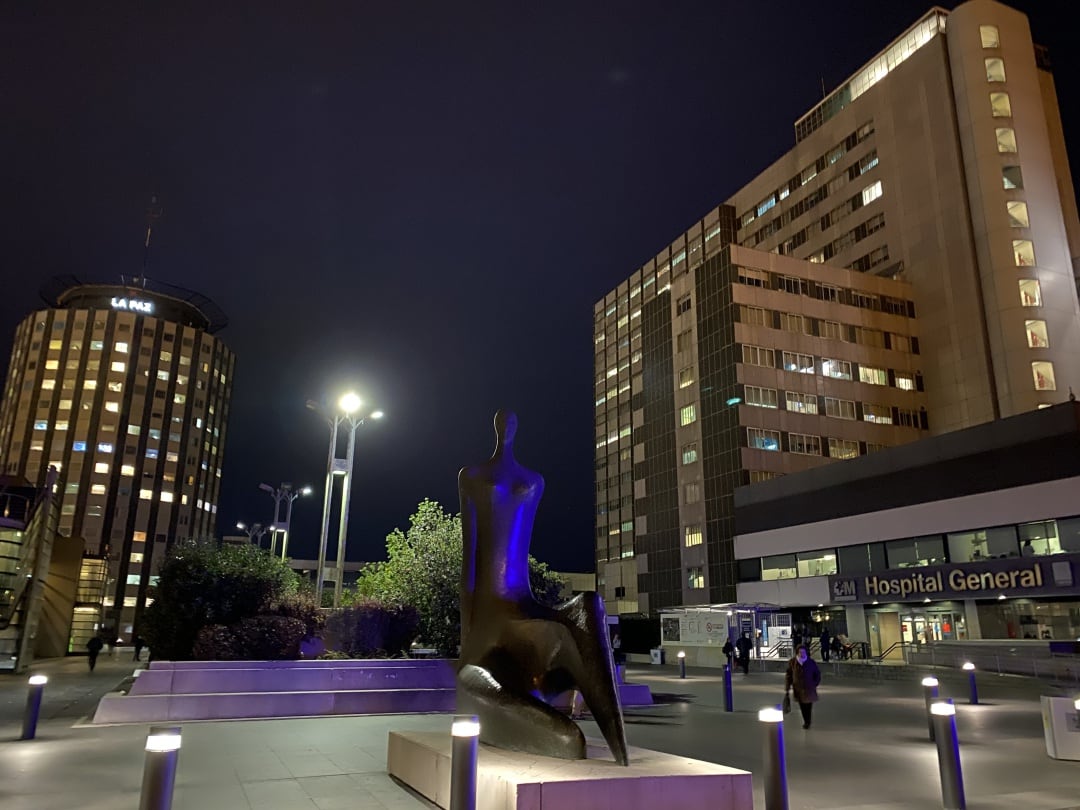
<point>125,389</point>
<point>913,271</point>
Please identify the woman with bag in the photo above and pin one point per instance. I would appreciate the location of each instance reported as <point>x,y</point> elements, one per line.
<point>803,677</point>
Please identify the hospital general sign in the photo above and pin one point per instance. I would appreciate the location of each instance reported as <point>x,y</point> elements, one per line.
<point>1015,576</point>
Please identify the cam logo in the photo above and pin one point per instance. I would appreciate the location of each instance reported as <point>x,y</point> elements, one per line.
<point>843,590</point>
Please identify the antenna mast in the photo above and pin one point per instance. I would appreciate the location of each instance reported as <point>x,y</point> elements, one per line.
<point>153,213</point>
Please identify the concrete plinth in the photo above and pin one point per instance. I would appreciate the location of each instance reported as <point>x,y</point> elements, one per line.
<point>509,780</point>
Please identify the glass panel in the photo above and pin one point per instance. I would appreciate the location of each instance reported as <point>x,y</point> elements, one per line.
<point>1043,374</point>
<point>1006,140</point>
<point>1011,177</point>
<point>1000,106</point>
<point>917,551</point>
<point>1069,534</point>
<point>995,69</point>
<point>1036,334</point>
<point>1023,252</point>
<point>816,563</point>
<point>1030,292</point>
<point>984,544</point>
<point>989,36</point>
<point>1018,214</point>
<point>780,566</point>
<point>1039,538</point>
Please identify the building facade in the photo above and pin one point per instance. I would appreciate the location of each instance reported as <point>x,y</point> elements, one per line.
<point>125,390</point>
<point>914,271</point>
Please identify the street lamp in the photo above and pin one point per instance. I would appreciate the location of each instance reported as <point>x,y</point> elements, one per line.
<point>283,493</point>
<point>346,412</point>
<point>254,532</point>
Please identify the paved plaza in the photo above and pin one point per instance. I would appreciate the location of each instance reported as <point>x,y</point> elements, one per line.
<point>867,747</point>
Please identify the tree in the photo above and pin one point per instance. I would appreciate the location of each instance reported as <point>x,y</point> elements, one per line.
<point>423,569</point>
<point>201,585</point>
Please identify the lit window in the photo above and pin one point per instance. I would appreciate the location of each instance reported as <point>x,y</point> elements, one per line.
<point>761,397</point>
<point>155,434</point>
<point>843,448</point>
<point>1011,177</point>
<point>1036,334</point>
<point>873,376</point>
<point>871,193</point>
<point>104,447</point>
<point>754,316</point>
<point>97,345</point>
<point>689,453</point>
<point>1018,214</point>
<point>136,557</point>
<point>163,375</point>
<point>78,447</point>
<point>995,69</point>
<point>1023,253</point>
<point>881,414</point>
<point>692,536</point>
<point>686,377</point>
<point>687,415</point>
<point>112,407</point>
<point>790,322</point>
<point>48,385</point>
<point>762,439</point>
<point>121,347</point>
<point>1044,376</point>
<point>166,497</point>
<point>65,404</point>
<point>758,356</point>
<point>101,467</point>
<point>61,425</point>
<point>89,385</point>
<point>1030,293</point>
<point>146,494</point>
<point>52,365</point>
<point>693,493</point>
<point>839,408</point>
<point>1000,106</point>
<point>832,329</point>
<point>118,365</point>
<point>97,489</point>
<point>905,381</point>
<point>695,577</point>
<point>800,363</point>
<point>151,452</point>
<point>127,469</point>
<point>682,305</point>
<point>989,36</point>
<point>115,387</point>
<point>837,369</point>
<point>1006,140</point>
<point>804,444</point>
<point>41,425</point>
<point>801,403</point>
<point>179,399</point>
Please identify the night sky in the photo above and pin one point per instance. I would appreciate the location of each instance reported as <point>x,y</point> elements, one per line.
<point>420,201</point>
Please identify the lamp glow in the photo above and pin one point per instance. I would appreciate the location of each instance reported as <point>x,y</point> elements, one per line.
<point>734,400</point>
<point>38,680</point>
<point>1076,704</point>
<point>162,743</point>
<point>305,491</point>
<point>930,681</point>
<point>465,727</point>
<point>377,414</point>
<point>682,654</point>
<point>350,403</point>
<point>968,666</point>
<point>770,716</point>
<point>942,709</point>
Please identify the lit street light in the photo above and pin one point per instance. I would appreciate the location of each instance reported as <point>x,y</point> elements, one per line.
<point>254,533</point>
<point>283,493</point>
<point>348,406</point>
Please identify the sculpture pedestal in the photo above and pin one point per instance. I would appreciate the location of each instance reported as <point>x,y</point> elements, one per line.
<point>510,780</point>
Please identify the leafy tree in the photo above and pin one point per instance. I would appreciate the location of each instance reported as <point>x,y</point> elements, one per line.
<point>201,585</point>
<point>423,570</point>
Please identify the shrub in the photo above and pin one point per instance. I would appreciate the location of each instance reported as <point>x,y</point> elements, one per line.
<point>372,628</point>
<point>268,638</point>
<point>215,642</point>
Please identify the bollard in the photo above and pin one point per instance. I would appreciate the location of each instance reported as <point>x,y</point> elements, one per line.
<point>776,797</point>
<point>729,701</point>
<point>465,734</point>
<point>930,693</point>
<point>159,770</point>
<point>972,688</point>
<point>33,706</point>
<point>682,664</point>
<point>948,751</point>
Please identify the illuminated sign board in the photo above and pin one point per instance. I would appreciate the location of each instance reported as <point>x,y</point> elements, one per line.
<point>1016,576</point>
<point>134,305</point>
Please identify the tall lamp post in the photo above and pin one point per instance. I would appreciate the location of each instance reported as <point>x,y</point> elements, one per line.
<point>346,414</point>
<point>283,493</point>
<point>254,532</point>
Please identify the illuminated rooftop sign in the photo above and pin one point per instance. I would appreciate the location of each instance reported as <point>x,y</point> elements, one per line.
<point>134,305</point>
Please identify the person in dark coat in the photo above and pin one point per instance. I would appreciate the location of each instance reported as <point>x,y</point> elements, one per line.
<point>729,650</point>
<point>803,678</point>
<point>825,640</point>
<point>139,644</point>
<point>743,646</point>
<point>93,648</point>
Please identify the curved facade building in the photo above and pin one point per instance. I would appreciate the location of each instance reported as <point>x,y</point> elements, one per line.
<point>125,389</point>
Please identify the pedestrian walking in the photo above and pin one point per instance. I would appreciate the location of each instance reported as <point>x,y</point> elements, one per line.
<point>139,644</point>
<point>743,646</point>
<point>93,648</point>
<point>825,640</point>
<point>729,650</point>
<point>803,678</point>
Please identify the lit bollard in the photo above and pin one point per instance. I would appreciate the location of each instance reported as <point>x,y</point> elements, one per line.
<point>930,693</point>
<point>682,664</point>
<point>465,735</point>
<point>159,770</point>
<point>729,701</point>
<point>969,668</point>
<point>776,797</point>
<point>943,714</point>
<point>33,706</point>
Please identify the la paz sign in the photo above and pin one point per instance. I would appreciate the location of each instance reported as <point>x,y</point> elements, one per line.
<point>133,305</point>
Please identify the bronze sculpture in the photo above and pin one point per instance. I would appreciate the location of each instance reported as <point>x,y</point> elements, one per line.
<point>516,654</point>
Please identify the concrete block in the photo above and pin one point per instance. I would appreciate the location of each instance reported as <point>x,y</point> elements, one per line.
<point>509,780</point>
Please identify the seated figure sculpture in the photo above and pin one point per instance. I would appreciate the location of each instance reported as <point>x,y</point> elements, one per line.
<point>516,654</point>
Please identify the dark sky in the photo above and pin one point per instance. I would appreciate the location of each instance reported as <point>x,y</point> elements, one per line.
<point>421,201</point>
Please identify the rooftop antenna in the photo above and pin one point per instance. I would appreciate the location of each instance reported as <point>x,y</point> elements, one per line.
<point>823,93</point>
<point>153,213</point>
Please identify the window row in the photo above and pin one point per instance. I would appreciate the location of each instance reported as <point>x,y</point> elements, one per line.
<point>755,277</point>
<point>834,330</point>
<point>834,407</point>
<point>1040,538</point>
<point>828,367</point>
<point>802,444</point>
